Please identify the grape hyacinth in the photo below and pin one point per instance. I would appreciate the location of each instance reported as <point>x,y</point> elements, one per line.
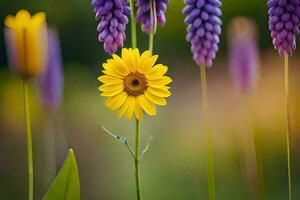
<point>144,15</point>
<point>204,29</point>
<point>51,82</point>
<point>284,17</point>
<point>243,53</point>
<point>113,16</point>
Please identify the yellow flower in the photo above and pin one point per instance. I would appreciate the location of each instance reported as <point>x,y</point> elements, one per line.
<point>26,39</point>
<point>134,84</point>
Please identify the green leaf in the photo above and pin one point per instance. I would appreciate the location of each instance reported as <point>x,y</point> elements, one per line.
<point>66,185</point>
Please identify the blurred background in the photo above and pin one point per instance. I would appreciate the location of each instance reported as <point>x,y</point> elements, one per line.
<point>175,166</point>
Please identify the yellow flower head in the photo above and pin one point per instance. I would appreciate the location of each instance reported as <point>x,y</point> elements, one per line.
<point>134,84</point>
<point>26,39</point>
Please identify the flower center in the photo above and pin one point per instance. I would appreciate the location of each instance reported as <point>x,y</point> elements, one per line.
<point>135,84</point>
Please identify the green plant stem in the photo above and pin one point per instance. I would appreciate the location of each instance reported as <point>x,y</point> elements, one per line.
<point>133,25</point>
<point>151,39</point>
<point>287,122</point>
<point>210,161</point>
<point>137,160</point>
<point>29,138</point>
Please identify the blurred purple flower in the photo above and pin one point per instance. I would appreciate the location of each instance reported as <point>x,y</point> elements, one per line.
<point>113,16</point>
<point>284,17</point>
<point>204,29</point>
<point>144,16</point>
<point>243,53</point>
<point>51,82</point>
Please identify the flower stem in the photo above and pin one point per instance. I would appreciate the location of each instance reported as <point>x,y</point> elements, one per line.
<point>137,160</point>
<point>287,122</point>
<point>210,161</point>
<point>151,38</point>
<point>133,25</point>
<point>29,138</point>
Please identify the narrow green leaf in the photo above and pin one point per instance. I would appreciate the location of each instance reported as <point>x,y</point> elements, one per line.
<point>66,185</point>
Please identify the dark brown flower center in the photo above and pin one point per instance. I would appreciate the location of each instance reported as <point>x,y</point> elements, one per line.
<point>135,84</point>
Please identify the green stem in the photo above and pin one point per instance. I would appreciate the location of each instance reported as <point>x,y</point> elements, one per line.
<point>210,161</point>
<point>287,122</point>
<point>133,26</point>
<point>29,138</point>
<point>151,38</point>
<point>137,160</point>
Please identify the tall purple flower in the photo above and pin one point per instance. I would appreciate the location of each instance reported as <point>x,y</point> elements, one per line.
<point>144,15</point>
<point>243,53</point>
<point>284,17</point>
<point>113,16</point>
<point>204,29</point>
<point>51,82</point>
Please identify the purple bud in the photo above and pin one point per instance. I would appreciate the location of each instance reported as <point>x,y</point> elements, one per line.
<point>51,82</point>
<point>113,16</point>
<point>243,53</point>
<point>204,29</point>
<point>284,24</point>
<point>144,16</point>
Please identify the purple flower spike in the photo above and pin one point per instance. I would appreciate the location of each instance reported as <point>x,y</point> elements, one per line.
<point>144,16</point>
<point>204,29</point>
<point>243,53</point>
<point>113,16</point>
<point>51,82</point>
<point>284,17</point>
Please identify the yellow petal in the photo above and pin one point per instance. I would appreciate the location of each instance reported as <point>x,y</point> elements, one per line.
<point>128,60</point>
<point>164,80</point>
<point>110,80</point>
<point>147,106</point>
<point>38,19</point>
<point>9,21</point>
<point>22,17</point>
<point>138,110</point>
<point>160,92</point>
<point>155,99</point>
<point>112,73</point>
<point>156,72</point>
<point>111,88</point>
<point>119,65</point>
<point>130,109</point>
<point>112,69</point>
<point>150,62</point>
<point>116,101</point>
<point>124,107</point>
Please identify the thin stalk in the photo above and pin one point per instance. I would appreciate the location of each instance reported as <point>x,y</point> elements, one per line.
<point>154,22</point>
<point>29,138</point>
<point>287,122</point>
<point>151,38</point>
<point>133,25</point>
<point>137,160</point>
<point>210,161</point>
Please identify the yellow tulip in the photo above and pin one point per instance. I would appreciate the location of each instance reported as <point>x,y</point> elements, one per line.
<point>26,39</point>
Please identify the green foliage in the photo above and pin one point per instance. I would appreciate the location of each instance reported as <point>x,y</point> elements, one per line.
<point>66,185</point>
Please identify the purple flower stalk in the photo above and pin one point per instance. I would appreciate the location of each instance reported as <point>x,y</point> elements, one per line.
<point>145,17</point>
<point>51,82</point>
<point>204,29</point>
<point>113,16</point>
<point>284,17</point>
<point>243,53</point>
